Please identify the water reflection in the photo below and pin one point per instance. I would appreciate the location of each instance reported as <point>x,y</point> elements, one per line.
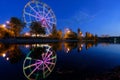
<point>39,62</point>
<point>40,59</point>
<point>80,47</point>
<point>69,46</point>
<point>11,53</point>
<point>89,45</point>
<point>66,46</point>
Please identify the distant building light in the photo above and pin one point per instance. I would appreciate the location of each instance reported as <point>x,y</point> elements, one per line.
<point>7,22</point>
<point>68,31</point>
<point>33,35</point>
<point>38,35</point>
<point>27,34</point>
<point>82,35</point>
<point>3,25</point>
<point>33,45</point>
<point>37,45</point>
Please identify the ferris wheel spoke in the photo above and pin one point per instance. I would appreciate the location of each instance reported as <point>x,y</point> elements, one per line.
<point>49,55</point>
<point>50,63</point>
<point>34,70</point>
<point>47,49</point>
<point>47,67</point>
<point>37,6</point>
<point>32,65</point>
<point>48,25</point>
<point>48,18</point>
<point>42,56</point>
<point>45,55</point>
<point>31,15</point>
<point>43,71</point>
<point>48,30</point>
<point>52,58</point>
<point>48,13</point>
<point>29,58</point>
<point>43,10</point>
<point>34,10</point>
<point>28,22</point>
<point>51,22</point>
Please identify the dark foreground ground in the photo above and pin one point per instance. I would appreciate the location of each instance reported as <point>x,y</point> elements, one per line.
<point>112,75</point>
<point>68,75</point>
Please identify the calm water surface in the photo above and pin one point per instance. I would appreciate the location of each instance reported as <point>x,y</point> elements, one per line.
<point>57,61</point>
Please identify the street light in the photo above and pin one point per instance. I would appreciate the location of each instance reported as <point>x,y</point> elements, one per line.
<point>68,31</point>
<point>4,55</point>
<point>3,25</point>
<point>27,34</point>
<point>7,22</point>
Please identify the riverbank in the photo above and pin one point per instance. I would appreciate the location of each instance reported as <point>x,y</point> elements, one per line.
<point>31,40</point>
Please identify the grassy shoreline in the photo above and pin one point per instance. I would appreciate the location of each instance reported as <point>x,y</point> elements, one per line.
<point>50,40</point>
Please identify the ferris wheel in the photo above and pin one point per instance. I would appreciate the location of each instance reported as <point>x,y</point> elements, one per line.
<point>39,63</point>
<point>37,11</point>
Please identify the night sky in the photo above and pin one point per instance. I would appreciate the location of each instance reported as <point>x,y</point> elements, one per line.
<point>95,16</point>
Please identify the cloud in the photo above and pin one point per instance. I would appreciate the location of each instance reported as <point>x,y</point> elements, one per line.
<point>78,18</point>
<point>83,17</point>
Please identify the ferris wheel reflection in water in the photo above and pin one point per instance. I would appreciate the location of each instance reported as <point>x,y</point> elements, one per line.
<point>39,63</point>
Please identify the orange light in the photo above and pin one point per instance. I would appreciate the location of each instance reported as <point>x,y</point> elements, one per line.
<point>68,50</point>
<point>3,55</point>
<point>27,34</point>
<point>68,31</point>
<point>3,25</point>
<point>27,46</point>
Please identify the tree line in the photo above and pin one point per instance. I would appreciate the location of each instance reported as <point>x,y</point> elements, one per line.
<point>15,27</point>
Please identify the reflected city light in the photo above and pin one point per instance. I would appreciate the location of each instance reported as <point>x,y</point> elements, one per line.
<point>7,58</point>
<point>27,46</point>
<point>81,45</point>
<point>4,55</point>
<point>80,48</point>
<point>68,50</point>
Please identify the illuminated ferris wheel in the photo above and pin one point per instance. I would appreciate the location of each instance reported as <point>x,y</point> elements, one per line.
<point>39,63</point>
<point>38,11</point>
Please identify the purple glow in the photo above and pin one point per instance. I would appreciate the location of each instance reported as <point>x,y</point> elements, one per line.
<point>34,68</point>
